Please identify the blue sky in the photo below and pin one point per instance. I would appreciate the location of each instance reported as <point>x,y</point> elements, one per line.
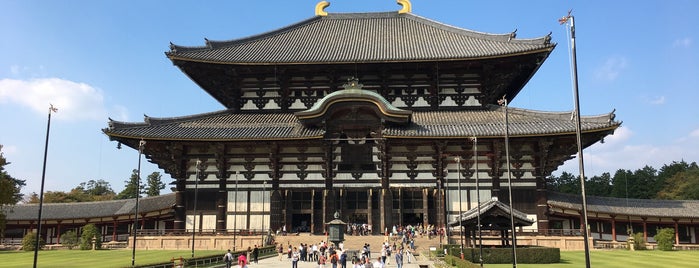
<point>96,60</point>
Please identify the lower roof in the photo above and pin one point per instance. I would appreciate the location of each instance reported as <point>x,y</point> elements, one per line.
<point>627,206</point>
<point>87,210</point>
<point>227,125</point>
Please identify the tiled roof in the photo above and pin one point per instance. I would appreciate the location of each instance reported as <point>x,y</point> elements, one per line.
<point>624,206</point>
<point>61,211</point>
<point>489,207</point>
<point>361,37</point>
<point>226,125</point>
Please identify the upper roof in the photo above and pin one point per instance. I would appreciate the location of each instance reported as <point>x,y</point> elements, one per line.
<point>83,210</point>
<point>229,126</point>
<point>361,37</point>
<point>627,206</point>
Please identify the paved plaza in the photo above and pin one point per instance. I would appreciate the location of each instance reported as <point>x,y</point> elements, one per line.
<point>275,262</point>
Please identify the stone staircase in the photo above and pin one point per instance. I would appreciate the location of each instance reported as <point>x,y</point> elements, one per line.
<point>422,243</point>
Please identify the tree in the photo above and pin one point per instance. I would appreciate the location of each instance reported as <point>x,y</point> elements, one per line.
<point>665,238</point>
<point>155,184</point>
<point>98,190</point>
<point>566,183</point>
<point>29,242</point>
<point>92,190</point>
<point>599,185</point>
<point>681,186</point>
<point>132,187</point>
<point>620,183</point>
<point>90,232</point>
<point>69,239</point>
<point>10,191</point>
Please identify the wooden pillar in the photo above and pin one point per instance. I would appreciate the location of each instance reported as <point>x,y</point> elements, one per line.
<point>400,207</point>
<point>115,225</point>
<point>179,222</point>
<point>677,233</point>
<point>58,232</point>
<point>222,193</point>
<point>221,199</point>
<point>425,208</point>
<point>613,229</point>
<point>645,230</point>
<point>369,213</point>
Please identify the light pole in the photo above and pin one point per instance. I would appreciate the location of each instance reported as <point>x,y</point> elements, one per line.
<point>503,102</point>
<point>141,144</point>
<point>458,189</point>
<point>41,193</point>
<point>446,209</point>
<point>196,192</point>
<point>478,201</point>
<point>235,210</point>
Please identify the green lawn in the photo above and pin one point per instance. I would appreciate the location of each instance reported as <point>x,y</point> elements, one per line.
<point>98,258</point>
<point>620,259</point>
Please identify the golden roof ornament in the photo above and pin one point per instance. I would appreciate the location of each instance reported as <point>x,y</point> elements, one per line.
<point>407,6</point>
<point>320,8</point>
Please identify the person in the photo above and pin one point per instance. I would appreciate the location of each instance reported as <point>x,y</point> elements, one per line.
<point>295,255</point>
<point>343,259</point>
<point>242,261</point>
<point>228,259</point>
<point>334,259</point>
<point>281,251</point>
<point>321,261</point>
<point>378,263</point>
<point>255,254</point>
<point>399,258</point>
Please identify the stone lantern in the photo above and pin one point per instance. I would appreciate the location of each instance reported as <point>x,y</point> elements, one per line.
<point>336,230</point>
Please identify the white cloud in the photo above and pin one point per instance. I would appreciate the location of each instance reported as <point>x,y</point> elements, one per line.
<point>658,100</point>
<point>683,42</point>
<point>75,101</point>
<point>611,68</point>
<point>616,153</point>
<point>695,133</point>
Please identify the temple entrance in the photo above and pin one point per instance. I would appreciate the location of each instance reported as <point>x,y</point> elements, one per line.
<point>300,223</point>
<point>412,219</point>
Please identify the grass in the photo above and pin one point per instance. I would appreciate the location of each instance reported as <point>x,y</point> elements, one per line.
<point>97,258</point>
<point>619,259</point>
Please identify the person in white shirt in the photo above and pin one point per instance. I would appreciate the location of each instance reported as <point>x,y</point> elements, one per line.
<point>378,263</point>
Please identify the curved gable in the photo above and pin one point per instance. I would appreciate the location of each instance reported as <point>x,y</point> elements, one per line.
<point>353,101</point>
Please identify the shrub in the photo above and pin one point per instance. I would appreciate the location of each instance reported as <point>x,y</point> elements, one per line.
<point>638,242</point>
<point>90,231</point>
<point>69,239</point>
<point>29,242</point>
<point>665,238</point>
<point>455,261</point>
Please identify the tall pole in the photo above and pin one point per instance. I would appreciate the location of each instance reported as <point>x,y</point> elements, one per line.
<point>578,134</point>
<point>235,210</point>
<point>43,177</point>
<point>446,210</point>
<point>458,183</point>
<point>503,102</point>
<point>196,192</point>
<point>478,201</point>
<point>141,144</point>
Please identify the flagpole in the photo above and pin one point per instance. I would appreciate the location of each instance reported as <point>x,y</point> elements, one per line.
<point>41,193</point>
<point>503,102</point>
<point>141,144</point>
<point>578,134</point>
